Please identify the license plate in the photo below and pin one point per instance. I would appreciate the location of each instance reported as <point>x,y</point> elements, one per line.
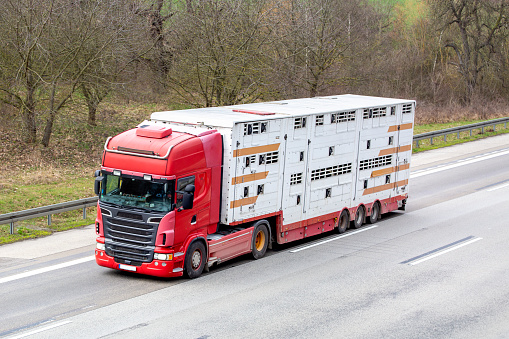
<point>127,267</point>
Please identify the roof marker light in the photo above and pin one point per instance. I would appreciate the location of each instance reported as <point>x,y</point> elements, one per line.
<point>117,172</point>
<point>147,177</point>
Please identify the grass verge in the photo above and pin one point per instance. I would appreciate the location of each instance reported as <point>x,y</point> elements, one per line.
<point>455,138</point>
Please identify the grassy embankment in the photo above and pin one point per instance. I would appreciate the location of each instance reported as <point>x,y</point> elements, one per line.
<point>32,176</point>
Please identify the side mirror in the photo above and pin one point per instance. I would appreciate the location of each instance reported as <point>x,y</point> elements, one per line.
<point>97,173</point>
<point>97,185</point>
<point>187,200</point>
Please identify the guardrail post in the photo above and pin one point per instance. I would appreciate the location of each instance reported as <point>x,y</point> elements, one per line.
<point>416,143</point>
<point>458,135</point>
<point>494,128</point>
<point>482,130</point>
<point>470,132</point>
<point>84,212</point>
<point>12,227</point>
<point>49,219</point>
<point>431,141</point>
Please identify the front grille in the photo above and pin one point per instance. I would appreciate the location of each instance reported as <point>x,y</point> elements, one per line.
<point>132,224</point>
<point>129,238</point>
<point>131,230</point>
<point>128,215</point>
<point>128,253</point>
<point>128,262</point>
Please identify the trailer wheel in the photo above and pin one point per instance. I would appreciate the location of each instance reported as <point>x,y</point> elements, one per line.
<point>359,217</point>
<point>375,213</point>
<point>195,259</point>
<point>344,220</point>
<point>260,241</point>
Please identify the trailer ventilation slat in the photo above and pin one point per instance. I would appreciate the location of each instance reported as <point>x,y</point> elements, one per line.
<point>337,118</point>
<point>331,171</point>
<point>375,162</point>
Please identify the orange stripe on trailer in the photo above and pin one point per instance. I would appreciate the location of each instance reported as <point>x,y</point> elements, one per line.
<point>390,170</point>
<point>395,150</point>
<point>395,128</point>
<point>255,150</point>
<point>243,202</point>
<point>384,187</point>
<point>249,177</point>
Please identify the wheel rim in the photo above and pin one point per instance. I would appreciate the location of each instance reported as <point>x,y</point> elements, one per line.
<point>358,217</point>
<point>343,223</point>
<point>196,259</point>
<point>375,212</point>
<point>260,240</point>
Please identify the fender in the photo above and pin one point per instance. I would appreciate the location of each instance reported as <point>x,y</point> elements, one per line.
<point>266,223</point>
<point>192,238</point>
<point>347,212</point>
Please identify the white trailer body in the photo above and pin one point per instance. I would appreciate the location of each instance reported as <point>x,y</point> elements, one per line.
<point>306,160</point>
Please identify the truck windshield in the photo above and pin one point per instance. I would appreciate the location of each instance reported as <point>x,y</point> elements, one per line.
<point>135,192</point>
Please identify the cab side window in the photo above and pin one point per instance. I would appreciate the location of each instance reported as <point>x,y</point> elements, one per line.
<point>181,185</point>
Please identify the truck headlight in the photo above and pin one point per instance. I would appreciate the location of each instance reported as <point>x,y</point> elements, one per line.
<point>163,256</point>
<point>101,246</point>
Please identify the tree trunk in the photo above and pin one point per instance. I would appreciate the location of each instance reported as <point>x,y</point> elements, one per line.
<point>28,116</point>
<point>92,109</point>
<point>48,129</point>
<point>52,112</point>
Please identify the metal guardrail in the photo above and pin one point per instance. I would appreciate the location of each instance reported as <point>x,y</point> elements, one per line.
<point>11,218</point>
<point>88,202</point>
<point>459,129</point>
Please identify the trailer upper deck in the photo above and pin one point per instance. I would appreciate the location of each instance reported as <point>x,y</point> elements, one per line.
<point>228,116</point>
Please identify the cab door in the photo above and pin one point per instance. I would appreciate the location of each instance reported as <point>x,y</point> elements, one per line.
<point>185,219</point>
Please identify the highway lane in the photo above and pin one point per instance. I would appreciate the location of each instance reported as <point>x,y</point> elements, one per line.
<point>453,183</point>
<point>355,286</point>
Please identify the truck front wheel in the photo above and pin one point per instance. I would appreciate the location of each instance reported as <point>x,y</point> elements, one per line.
<point>260,241</point>
<point>195,259</point>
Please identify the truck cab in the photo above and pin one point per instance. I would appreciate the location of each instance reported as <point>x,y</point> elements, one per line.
<point>158,196</point>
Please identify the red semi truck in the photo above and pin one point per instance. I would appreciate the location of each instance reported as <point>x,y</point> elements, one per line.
<point>192,188</point>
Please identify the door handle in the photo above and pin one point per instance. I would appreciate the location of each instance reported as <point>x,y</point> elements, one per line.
<point>193,220</point>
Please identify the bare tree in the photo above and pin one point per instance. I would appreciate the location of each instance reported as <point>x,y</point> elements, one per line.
<point>314,44</point>
<point>158,15</point>
<point>471,28</point>
<point>220,51</point>
<point>112,68</point>
<point>44,42</point>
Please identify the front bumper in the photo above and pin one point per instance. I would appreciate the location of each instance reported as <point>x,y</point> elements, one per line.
<point>157,268</point>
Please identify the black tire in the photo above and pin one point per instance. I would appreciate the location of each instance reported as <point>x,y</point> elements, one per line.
<point>360,215</point>
<point>375,213</point>
<point>344,221</point>
<point>196,257</point>
<point>260,241</point>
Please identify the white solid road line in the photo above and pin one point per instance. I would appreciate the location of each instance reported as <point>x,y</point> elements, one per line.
<point>40,329</point>
<point>445,251</point>
<point>458,164</point>
<point>46,269</point>
<point>498,187</point>
<point>336,238</point>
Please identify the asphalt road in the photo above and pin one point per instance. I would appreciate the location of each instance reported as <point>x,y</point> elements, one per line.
<point>438,270</point>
